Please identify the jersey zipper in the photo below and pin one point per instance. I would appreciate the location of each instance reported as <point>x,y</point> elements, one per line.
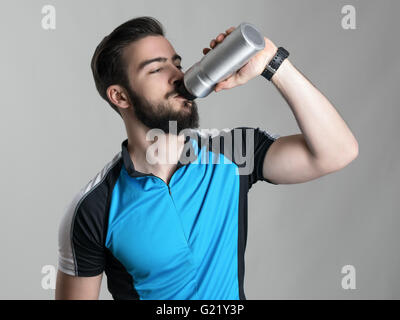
<point>184,235</point>
<point>168,186</point>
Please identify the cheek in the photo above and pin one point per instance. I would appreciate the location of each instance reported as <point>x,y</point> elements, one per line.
<point>156,89</point>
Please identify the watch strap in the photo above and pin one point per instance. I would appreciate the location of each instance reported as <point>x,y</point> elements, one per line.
<point>275,63</point>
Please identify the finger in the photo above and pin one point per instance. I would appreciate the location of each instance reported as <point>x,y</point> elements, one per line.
<point>217,40</point>
<point>222,85</point>
<point>220,37</point>
<point>206,50</point>
<point>228,31</point>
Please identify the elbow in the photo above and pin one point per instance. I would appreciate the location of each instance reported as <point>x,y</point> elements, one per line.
<point>340,160</point>
<point>355,151</point>
<point>349,157</point>
<point>353,154</point>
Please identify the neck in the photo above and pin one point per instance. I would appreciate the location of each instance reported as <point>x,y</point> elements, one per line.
<point>153,153</point>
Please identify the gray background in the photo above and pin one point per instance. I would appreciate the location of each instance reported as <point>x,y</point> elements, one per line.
<point>57,133</point>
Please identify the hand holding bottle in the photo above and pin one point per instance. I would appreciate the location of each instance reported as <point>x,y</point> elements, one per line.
<point>254,67</point>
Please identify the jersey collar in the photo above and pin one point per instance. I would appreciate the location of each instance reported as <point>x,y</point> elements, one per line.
<point>130,168</point>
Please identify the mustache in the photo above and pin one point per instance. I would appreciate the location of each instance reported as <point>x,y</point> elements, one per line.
<point>173,94</point>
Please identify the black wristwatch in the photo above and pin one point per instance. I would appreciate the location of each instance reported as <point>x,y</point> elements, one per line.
<point>274,64</point>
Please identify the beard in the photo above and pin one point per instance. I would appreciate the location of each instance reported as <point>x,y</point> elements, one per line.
<point>158,116</point>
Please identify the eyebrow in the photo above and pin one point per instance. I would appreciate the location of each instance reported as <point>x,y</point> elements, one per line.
<point>158,59</point>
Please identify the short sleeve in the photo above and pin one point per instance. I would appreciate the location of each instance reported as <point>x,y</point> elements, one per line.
<point>262,142</point>
<point>258,147</point>
<point>81,236</point>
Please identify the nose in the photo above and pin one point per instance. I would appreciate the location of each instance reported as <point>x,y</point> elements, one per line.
<point>176,76</point>
<point>176,79</point>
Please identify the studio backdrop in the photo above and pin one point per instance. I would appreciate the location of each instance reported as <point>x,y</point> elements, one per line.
<point>336,237</point>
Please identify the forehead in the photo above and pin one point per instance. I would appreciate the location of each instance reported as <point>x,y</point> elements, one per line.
<point>147,48</point>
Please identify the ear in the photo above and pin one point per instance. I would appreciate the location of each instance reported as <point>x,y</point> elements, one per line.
<point>118,96</point>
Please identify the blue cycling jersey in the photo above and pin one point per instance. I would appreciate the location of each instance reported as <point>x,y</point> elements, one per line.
<point>182,240</point>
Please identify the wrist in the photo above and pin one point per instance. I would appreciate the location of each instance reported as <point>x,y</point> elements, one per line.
<point>274,63</point>
<point>270,55</point>
<point>281,72</point>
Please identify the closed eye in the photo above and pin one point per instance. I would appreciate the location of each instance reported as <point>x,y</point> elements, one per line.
<point>157,70</point>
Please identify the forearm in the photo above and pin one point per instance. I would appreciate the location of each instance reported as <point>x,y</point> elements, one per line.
<point>327,136</point>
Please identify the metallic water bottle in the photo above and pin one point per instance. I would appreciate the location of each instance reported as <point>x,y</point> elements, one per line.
<point>221,62</point>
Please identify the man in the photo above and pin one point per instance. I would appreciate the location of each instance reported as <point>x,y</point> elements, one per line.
<point>177,229</point>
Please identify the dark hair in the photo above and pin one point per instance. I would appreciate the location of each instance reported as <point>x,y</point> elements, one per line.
<point>107,64</point>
